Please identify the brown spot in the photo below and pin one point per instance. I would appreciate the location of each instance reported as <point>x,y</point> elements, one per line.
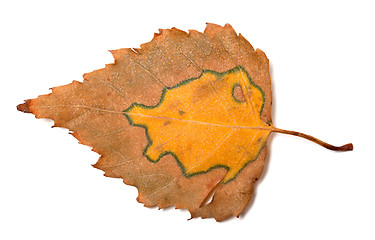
<point>167,123</point>
<point>204,89</point>
<point>238,94</point>
<point>24,107</point>
<point>108,93</point>
<point>181,112</point>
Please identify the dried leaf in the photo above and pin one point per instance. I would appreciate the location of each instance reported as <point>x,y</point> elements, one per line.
<point>185,116</point>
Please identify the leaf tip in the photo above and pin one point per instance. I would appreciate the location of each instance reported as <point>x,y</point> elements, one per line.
<point>24,107</point>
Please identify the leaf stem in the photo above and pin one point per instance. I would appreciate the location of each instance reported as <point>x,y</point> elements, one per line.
<point>346,147</point>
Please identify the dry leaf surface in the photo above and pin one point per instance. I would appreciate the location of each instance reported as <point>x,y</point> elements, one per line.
<point>184,116</point>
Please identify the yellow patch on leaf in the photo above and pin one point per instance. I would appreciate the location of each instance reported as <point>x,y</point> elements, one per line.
<point>203,125</point>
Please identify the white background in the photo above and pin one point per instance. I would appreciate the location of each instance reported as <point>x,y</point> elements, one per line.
<point>322,66</point>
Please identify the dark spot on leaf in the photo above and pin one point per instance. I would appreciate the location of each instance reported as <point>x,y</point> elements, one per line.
<point>181,112</point>
<point>238,94</point>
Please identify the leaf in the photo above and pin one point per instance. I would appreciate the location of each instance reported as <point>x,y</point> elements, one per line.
<point>185,116</point>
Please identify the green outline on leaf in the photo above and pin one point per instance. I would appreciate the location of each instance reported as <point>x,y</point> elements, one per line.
<point>162,97</point>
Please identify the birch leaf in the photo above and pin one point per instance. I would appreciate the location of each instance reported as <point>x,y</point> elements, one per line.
<point>185,116</point>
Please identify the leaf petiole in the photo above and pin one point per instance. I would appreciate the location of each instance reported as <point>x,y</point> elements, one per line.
<point>343,148</point>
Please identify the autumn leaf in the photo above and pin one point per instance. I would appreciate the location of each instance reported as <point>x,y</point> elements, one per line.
<point>185,116</point>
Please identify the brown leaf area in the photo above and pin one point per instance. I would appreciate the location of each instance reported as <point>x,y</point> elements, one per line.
<point>92,110</point>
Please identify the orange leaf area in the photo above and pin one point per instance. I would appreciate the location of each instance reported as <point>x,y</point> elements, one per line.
<point>202,124</point>
<point>205,97</point>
